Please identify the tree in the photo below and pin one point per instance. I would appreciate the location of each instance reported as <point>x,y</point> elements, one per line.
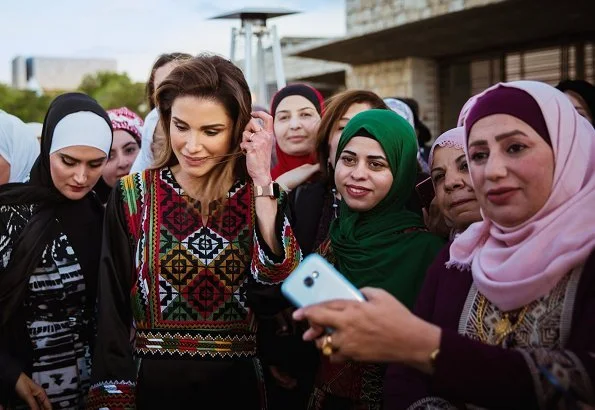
<point>114,90</point>
<point>111,90</point>
<point>24,104</point>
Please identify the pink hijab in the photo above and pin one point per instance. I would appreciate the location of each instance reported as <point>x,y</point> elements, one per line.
<point>515,266</point>
<point>466,108</point>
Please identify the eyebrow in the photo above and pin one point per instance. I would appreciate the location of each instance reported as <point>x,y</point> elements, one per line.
<point>78,160</point>
<point>369,156</point>
<point>460,158</point>
<point>499,137</point>
<point>203,127</point>
<point>299,109</point>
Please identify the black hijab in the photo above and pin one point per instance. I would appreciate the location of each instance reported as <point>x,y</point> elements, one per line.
<point>81,220</point>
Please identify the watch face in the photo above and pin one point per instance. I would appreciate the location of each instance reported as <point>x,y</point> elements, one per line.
<point>276,190</point>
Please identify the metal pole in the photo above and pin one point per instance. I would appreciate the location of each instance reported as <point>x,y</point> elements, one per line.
<point>232,53</point>
<point>261,73</point>
<point>278,58</point>
<point>248,54</point>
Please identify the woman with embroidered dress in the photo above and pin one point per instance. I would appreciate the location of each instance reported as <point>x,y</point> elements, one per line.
<point>182,242</point>
<point>50,244</point>
<point>375,241</point>
<point>506,315</point>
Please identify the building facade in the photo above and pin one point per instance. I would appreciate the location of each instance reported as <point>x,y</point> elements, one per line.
<point>441,52</point>
<point>54,73</point>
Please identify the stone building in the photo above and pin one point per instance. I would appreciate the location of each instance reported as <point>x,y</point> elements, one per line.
<point>55,73</point>
<point>440,52</point>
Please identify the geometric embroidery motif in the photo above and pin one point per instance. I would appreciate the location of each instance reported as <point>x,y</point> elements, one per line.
<point>232,218</point>
<point>240,294</point>
<point>542,325</point>
<point>230,312</point>
<point>193,276</point>
<point>231,267</point>
<point>179,310</point>
<point>167,294</point>
<point>205,293</point>
<point>205,244</point>
<point>178,266</point>
<point>180,220</point>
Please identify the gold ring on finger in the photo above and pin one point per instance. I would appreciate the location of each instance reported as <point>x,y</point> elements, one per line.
<point>327,346</point>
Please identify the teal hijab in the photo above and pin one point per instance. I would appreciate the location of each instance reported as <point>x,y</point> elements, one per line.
<point>385,247</point>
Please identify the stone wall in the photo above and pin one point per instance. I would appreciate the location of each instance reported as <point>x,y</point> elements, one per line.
<point>365,16</point>
<point>410,77</point>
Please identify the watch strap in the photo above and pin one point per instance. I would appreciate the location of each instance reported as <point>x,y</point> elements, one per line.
<point>271,190</point>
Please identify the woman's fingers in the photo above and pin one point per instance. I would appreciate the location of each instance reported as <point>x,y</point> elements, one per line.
<point>313,333</point>
<point>338,304</point>
<point>266,119</point>
<point>40,397</point>
<point>372,294</point>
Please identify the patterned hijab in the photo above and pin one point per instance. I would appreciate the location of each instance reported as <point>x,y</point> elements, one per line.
<point>125,119</point>
<point>383,247</point>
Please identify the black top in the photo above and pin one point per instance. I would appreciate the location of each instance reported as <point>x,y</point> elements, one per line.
<point>52,213</point>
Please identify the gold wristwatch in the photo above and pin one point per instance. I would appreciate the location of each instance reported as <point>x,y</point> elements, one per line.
<point>271,190</point>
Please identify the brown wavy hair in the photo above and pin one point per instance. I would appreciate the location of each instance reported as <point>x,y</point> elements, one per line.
<point>162,60</point>
<point>336,107</point>
<point>213,78</point>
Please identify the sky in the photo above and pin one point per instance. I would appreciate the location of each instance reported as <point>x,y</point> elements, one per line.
<point>135,32</point>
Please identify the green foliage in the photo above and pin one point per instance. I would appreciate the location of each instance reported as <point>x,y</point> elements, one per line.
<point>114,90</point>
<point>24,104</point>
<point>111,90</point>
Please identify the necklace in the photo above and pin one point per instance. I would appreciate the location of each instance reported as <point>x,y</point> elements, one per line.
<point>503,326</point>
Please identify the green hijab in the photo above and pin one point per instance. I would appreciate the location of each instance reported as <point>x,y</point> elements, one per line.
<point>375,248</point>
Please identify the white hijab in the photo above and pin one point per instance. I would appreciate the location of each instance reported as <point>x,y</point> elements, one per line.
<point>145,158</point>
<point>18,146</point>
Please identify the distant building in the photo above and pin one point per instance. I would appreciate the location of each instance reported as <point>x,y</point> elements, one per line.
<point>56,73</point>
<point>441,52</point>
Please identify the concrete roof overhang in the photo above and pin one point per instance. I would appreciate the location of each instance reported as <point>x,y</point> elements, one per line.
<point>490,28</point>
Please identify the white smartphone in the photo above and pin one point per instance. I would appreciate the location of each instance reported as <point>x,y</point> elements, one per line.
<point>315,281</point>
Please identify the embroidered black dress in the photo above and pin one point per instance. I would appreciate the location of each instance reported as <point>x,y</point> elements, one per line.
<point>182,284</point>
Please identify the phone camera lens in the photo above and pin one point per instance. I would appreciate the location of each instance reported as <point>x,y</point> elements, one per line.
<point>308,281</point>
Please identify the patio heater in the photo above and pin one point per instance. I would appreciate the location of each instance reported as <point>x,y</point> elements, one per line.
<point>254,25</point>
